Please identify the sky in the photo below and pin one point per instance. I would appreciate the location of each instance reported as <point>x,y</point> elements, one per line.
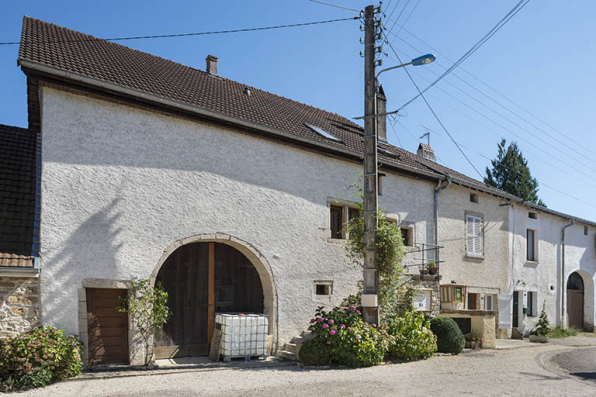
<point>532,82</point>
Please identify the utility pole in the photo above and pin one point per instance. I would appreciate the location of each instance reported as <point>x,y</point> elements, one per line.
<point>370,293</point>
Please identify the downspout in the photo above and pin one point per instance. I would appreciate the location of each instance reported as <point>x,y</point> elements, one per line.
<point>438,190</point>
<point>563,273</point>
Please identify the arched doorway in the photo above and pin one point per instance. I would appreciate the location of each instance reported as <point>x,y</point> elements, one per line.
<point>203,278</point>
<point>575,301</point>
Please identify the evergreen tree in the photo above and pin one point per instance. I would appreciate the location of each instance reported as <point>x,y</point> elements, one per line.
<point>511,174</point>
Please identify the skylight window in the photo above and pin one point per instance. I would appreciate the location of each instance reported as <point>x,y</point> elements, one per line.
<point>323,133</point>
<point>387,152</point>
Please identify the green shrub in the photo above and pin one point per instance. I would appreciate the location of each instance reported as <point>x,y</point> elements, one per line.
<point>315,352</point>
<point>351,341</point>
<point>542,327</point>
<point>449,337</point>
<point>38,357</point>
<point>412,337</point>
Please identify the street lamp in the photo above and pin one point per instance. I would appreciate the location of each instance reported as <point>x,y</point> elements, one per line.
<point>421,60</point>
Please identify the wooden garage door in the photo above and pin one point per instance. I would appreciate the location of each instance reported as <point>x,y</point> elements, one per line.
<point>107,327</point>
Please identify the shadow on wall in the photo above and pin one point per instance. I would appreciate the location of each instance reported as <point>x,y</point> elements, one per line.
<point>65,268</point>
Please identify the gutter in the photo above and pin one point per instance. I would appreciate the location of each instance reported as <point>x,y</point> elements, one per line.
<point>21,271</point>
<point>438,190</point>
<point>563,311</point>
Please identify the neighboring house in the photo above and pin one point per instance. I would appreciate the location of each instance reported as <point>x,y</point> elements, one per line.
<point>233,198</point>
<point>19,230</point>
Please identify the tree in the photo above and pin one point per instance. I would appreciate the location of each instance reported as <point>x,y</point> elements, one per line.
<point>511,174</point>
<point>148,308</point>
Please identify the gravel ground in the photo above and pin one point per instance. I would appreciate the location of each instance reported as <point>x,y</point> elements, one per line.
<point>516,372</point>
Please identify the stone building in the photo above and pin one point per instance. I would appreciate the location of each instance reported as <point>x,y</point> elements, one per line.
<point>235,199</point>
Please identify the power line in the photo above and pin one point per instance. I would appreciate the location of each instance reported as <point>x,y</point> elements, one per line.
<point>504,107</point>
<point>509,130</point>
<point>491,88</point>
<point>557,149</point>
<point>399,16</point>
<point>185,34</point>
<point>334,5</point>
<point>518,7</point>
<point>430,107</point>
<point>408,18</point>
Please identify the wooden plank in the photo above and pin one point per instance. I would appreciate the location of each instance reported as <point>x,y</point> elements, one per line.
<point>211,294</point>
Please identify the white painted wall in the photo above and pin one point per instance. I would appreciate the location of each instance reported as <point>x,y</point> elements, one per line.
<point>544,276</point>
<point>120,185</point>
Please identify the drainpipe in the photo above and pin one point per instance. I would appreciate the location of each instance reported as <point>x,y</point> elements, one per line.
<point>438,190</point>
<point>563,287</point>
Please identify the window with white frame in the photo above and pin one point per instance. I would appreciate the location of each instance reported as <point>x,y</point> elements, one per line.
<point>531,246</point>
<point>532,303</point>
<point>489,302</point>
<point>474,235</point>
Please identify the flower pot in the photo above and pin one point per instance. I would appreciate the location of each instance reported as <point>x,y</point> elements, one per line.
<point>432,270</point>
<point>423,272</point>
<point>538,339</point>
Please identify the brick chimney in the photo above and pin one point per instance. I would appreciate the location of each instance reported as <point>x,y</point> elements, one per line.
<point>426,152</point>
<point>211,65</point>
<point>381,120</point>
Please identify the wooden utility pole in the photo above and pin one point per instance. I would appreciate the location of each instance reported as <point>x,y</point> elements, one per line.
<point>370,291</point>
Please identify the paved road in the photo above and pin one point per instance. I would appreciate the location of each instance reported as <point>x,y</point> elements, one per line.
<point>577,362</point>
<point>512,372</point>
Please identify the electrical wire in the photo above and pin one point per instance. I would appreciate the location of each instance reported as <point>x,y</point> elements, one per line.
<point>407,19</point>
<point>564,135</point>
<point>334,5</point>
<point>518,7</point>
<point>430,107</point>
<point>397,19</point>
<point>186,34</point>
<point>509,110</point>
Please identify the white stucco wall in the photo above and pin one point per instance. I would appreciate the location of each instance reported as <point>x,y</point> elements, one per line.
<point>120,185</point>
<point>489,274</point>
<point>544,275</point>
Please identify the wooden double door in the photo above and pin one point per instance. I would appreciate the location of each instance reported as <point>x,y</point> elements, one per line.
<point>202,279</point>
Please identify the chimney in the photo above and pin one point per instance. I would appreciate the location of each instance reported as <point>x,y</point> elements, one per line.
<point>211,65</point>
<point>381,120</point>
<point>426,152</point>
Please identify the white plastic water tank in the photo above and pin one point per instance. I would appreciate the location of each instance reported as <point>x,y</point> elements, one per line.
<point>242,335</point>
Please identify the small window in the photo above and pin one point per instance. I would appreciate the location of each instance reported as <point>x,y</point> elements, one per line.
<point>531,245</point>
<point>353,213</point>
<point>532,215</point>
<point>380,183</point>
<point>336,221</point>
<point>474,235</point>
<point>472,301</point>
<point>322,289</point>
<point>586,230</point>
<point>474,197</point>
<point>322,132</point>
<point>530,304</point>
<point>489,302</point>
<point>406,235</point>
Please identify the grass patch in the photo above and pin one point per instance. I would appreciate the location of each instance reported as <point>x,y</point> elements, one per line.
<point>558,333</point>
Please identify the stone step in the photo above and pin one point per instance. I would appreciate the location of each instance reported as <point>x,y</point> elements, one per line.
<point>306,333</point>
<point>286,355</point>
<point>291,347</point>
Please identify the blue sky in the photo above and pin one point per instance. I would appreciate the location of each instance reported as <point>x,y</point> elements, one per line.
<point>532,82</point>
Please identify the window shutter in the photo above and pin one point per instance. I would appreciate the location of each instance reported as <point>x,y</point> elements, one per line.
<point>505,312</point>
<point>474,234</point>
<point>478,233</point>
<point>470,234</point>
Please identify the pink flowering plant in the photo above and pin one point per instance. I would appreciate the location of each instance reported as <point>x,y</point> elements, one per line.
<point>349,339</point>
<point>37,358</point>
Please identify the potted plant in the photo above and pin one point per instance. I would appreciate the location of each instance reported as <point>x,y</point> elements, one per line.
<point>423,269</point>
<point>432,267</point>
<point>473,341</point>
<point>540,332</point>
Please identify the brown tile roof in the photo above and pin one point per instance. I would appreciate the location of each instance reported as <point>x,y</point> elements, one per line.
<point>19,215</point>
<point>67,50</point>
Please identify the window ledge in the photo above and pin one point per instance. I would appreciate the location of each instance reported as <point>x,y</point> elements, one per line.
<point>474,256</point>
<point>336,241</point>
<point>532,263</point>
